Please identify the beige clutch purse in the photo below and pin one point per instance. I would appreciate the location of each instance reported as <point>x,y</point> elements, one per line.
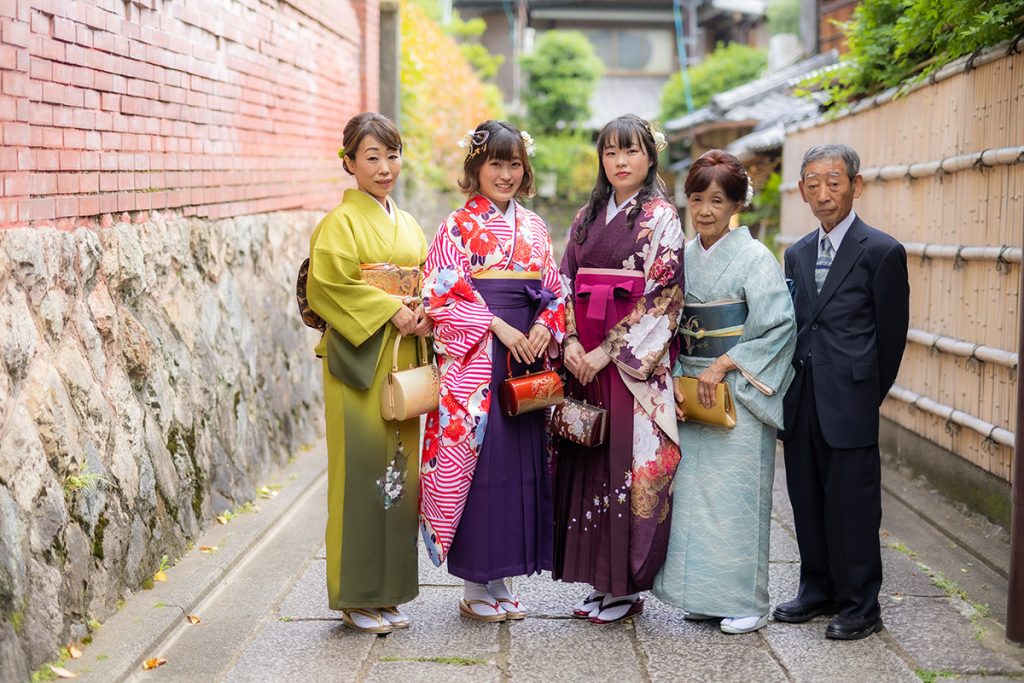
<point>411,392</point>
<point>723,414</point>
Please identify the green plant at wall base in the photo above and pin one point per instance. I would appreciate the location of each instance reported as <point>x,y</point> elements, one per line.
<point>563,70</point>
<point>894,42</point>
<point>728,67</point>
<point>928,676</point>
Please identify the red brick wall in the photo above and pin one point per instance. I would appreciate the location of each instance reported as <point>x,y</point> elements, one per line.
<point>213,107</point>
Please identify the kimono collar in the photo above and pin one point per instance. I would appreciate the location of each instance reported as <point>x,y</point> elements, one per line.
<point>704,270</point>
<point>510,213</point>
<point>373,209</point>
<point>614,209</point>
<point>383,222</point>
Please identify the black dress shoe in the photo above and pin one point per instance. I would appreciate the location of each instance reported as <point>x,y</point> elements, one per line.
<point>844,628</point>
<point>796,612</point>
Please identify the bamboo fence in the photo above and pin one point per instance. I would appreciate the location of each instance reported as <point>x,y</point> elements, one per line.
<point>944,173</point>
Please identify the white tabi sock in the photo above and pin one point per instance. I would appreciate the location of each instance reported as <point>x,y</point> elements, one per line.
<point>498,589</point>
<point>613,613</point>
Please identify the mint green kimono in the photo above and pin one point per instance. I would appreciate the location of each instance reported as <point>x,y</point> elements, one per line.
<point>373,465</point>
<point>717,562</point>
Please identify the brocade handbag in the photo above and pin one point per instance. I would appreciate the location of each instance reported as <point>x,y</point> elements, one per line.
<point>579,422</point>
<point>723,414</point>
<point>309,316</point>
<point>529,392</point>
<point>411,392</point>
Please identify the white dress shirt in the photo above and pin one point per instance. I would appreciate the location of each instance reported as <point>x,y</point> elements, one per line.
<point>836,235</point>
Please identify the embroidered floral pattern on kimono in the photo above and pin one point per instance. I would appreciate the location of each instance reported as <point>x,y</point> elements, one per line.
<point>472,240</point>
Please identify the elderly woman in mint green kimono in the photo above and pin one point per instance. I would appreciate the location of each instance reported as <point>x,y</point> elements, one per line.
<point>717,563</point>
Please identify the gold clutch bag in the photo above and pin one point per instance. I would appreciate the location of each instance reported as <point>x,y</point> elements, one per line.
<point>411,392</point>
<point>723,414</point>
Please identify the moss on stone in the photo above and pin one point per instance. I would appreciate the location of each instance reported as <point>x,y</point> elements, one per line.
<point>97,537</point>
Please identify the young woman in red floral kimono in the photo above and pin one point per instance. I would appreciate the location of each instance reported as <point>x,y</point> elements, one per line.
<point>492,289</point>
<point>622,277</point>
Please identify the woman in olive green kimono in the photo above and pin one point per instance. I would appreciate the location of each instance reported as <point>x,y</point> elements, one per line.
<point>372,489</point>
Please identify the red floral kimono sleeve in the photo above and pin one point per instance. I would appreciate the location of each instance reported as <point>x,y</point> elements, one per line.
<point>461,319</point>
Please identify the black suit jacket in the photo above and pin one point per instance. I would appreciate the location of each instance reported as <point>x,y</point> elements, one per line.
<point>853,333</point>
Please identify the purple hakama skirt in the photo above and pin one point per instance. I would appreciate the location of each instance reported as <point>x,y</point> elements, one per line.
<point>506,527</point>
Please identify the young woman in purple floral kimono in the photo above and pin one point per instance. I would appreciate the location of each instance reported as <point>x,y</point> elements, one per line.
<point>622,278</point>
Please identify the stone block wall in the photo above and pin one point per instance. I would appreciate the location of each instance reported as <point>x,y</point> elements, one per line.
<point>162,164</point>
<point>151,375</point>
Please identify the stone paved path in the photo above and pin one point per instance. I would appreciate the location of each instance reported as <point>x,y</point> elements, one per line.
<point>266,620</point>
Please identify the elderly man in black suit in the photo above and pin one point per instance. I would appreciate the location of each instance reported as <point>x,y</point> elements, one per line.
<point>852,301</point>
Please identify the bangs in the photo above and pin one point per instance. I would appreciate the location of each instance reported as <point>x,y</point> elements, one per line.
<point>504,145</point>
<point>616,132</point>
<point>387,134</point>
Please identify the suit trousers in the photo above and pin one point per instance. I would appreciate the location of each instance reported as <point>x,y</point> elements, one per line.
<point>837,509</point>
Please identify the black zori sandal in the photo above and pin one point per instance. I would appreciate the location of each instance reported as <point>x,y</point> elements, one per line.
<point>635,607</point>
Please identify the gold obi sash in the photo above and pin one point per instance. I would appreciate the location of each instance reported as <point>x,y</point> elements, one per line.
<point>402,282</point>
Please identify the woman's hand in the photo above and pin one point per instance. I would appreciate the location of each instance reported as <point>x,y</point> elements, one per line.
<point>573,354</point>
<point>515,340</point>
<point>591,364</point>
<point>405,320</point>
<point>710,378</point>
<point>540,337</point>
<point>424,323</point>
<point>680,413</point>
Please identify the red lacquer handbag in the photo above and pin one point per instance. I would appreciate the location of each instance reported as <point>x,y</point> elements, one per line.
<point>529,392</point>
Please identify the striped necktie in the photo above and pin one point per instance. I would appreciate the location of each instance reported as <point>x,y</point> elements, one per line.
<point>824,262</point>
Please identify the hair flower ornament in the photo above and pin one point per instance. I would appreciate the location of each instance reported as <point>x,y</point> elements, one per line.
<point>750,192</point>
<point>660,143</point>
<point>341,152</point>
<point>474,138</point>
<point>531,146</point>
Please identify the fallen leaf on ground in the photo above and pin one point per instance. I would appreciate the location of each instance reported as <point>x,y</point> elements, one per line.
<point>192,619</point>
<point>74,652</point>
<point>160,576</point>
<point>61,672</point>
<point>222,519</point>
<point>153,662</point>
<point>266,492</point>
<point>208,548</point>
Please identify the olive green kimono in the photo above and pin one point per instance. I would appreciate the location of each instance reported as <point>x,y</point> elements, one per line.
<point>373,465</point>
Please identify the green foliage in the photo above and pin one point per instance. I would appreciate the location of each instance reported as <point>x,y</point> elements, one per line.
<point>573,159</point>
<point>765,211</point>
<point>436,111</point>
<point>892,41</point>
<point>928,676</point>
<point>729,66</point>
<point>563,71</point>
<point>783,16</point>
<point>480,58</point>
<point>467,34</point>
<point>83,480</point>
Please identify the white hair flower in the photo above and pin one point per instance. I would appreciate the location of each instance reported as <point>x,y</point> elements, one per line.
<point>660,143</point>
<point>531,146</point>
<point>466,140</point>
<point>750,192</point>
